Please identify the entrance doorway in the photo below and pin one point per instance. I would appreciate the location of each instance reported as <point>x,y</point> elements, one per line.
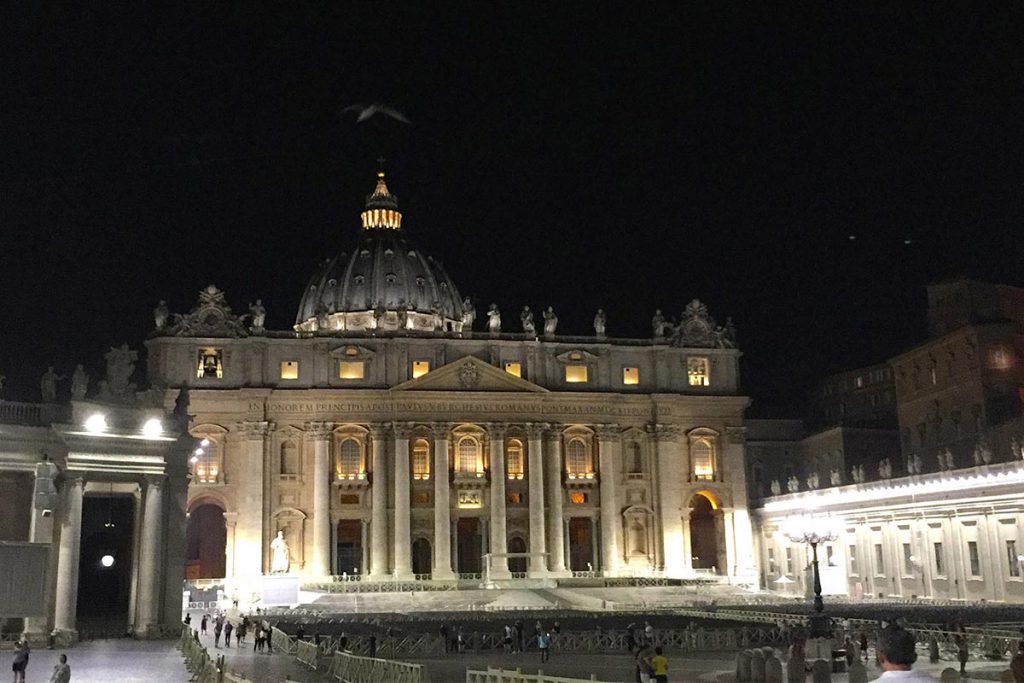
<point>703,533</point>
<point>470,545</point>
<point>205,542</point>
<point>581,544</point>
<point>517,565</point>
<point>350,547</point>
<point>105,565</point>
<point>421,557</point>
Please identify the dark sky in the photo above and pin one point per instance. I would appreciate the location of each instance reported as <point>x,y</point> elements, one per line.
<point>577,154</point>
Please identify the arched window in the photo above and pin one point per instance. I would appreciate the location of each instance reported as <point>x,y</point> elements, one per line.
<point>289,458</point>
<point>207,466</point>
<point>349,462</point>
<point>468,456</point>
<point>577,459</point>
<point>514,459</point>
<point>702,455</point>
<point>420,459</point>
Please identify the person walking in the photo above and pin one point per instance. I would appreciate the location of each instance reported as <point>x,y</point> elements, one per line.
<point>444,637</point>
<point>188,619</point>
<point>217,629</point>
<point>240,635</point>
<point>643,663</point>
<point>343,642</point>
<point>963,652</point>
<point>257,639</point>
<point>544,645</point>
<point>202,624</point>
<point>228,628</point>
<point>61,671</point>
<point>519,636</point>
<point>373,646</point>
<point>659,666</point>
<point>21,653</point>
<point>864,644</point>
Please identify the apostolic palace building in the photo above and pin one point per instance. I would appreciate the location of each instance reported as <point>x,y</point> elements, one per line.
<point>396,433</point>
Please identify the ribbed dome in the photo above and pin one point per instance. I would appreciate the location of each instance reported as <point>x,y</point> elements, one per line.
<point>384,283</point>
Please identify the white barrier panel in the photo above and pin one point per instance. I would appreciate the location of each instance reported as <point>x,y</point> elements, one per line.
<point>500,676</point>
<point>280,589</point>
<point>23,578</point>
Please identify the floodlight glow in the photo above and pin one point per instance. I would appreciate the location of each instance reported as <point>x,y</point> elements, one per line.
<point>107,560</point>
<point>199,451</point>
<point>152,428</point>
<point>204,443</point>
<point>96,423</point>
<point>194,459</point>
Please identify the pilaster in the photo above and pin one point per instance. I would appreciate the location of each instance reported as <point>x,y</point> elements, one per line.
<point>249,533</point>
<point>666,458</point>
<point>148,622</point>
<point>498,537</point>
<point>538,546</point>
<point>442,551</point>
<point>402,431</point>
<point>67,560</point>
<point>379,568</point>
<point>319,433</point>
<point>609,439</point>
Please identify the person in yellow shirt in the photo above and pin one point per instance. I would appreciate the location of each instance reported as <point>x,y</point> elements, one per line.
<point>660,665</point>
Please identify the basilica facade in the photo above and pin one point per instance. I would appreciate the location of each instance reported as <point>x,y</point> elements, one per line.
<point>393,435</point>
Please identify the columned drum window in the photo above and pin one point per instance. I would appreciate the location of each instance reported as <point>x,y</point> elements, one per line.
<point>514,459</point>
<point>420,459</point>
<point>348,464</point>
<point>468,456</point>
<point>702,455</point>
<point>578,461</point>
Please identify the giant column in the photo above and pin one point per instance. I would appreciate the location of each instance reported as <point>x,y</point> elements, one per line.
<point>666,457</point>
<point>403,537</point>
<point>442,505</point>
<point>379,497</point>
<point>149,558</point>
<point>249,531</point>
<point>535,472</point>
<point>610,447</point>
<point>40,531</point>
<point>499,541</point>
<point>67,560</point>
<point>556,525</point>
<point>320,434</point>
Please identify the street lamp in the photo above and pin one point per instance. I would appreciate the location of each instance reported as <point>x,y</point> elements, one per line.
<point>819,623</point>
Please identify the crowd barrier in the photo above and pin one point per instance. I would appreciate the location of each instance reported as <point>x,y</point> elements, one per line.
<point>201,666</point>
<point>349,668</point>
<point>501,676</point>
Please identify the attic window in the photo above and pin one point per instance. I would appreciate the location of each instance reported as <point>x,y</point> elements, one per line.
<point>389,252</point>
<point>514,369</point>
<point>412,254</point>
<point>391,278</point>
<point>289,369</point>
<point>420,281</point>
<point>359,279</point>
<point>351,369</point>
<point>210,364</point>
<point>444,285</point>
<point>420,368</point>
<point>576,373</point>
<point>630,375</point>
<point>332,282</point>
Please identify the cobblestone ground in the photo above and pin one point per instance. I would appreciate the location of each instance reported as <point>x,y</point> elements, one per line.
<point>105,661</point>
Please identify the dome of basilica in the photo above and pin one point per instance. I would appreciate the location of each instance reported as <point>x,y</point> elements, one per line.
<point>384,283</point>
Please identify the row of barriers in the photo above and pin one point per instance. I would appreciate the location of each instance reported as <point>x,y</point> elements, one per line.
<point>492,675</point>
<point>201,666</point>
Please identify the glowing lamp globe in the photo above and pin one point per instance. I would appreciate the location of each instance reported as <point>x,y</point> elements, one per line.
<point>96,423</point>
<point>107,561</point>
<point>152,428</point>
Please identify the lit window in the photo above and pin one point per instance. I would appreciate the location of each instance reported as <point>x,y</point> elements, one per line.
<point>210,364</point>
<point>631,375</point>
<point>351,369</point>
<point>420,368</point>
<point>702,455</point>
<point>420,459</point>
<point>514,459</point>
<point>578,498</point>
<point>697,371</point>
<point>575,373</point>
<point>577,460</point>
<point>514,369</point>
<point>349,463</point>
<point>1012,559</point>
<point>975,558</point>
<point>468,456</point>
<point>289,369</point>
<point>207,466</point>
<point>421,498</point>
<point>289,458</point>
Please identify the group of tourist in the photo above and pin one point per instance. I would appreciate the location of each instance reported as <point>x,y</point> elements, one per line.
<point>61,671</point>
<point>222,626</point>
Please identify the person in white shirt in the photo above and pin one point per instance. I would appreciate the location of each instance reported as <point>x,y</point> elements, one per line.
<point>897,654</point>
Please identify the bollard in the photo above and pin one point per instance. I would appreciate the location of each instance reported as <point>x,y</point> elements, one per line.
<point>772,669</point>
<point>821,671</point>
<point>857,672</point>
<point>949,675</point>
<point>757,666</point>
<point>743,666</point>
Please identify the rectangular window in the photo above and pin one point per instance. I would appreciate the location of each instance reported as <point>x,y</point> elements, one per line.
<point>939,568</point>
<point>908,563</point>
<point>420,368</point>
<point>1011,558</point>
<point>879,559</point>
<point>853,559</point>
<point>514,369</point>
<point>829,556</point>
<point>514,460</point>
<point>697,371</point>
<point>789,560</point>
<point>210,364</point>
<point>631,375</point>
<point>421,460</point>
<point>974,557</point>
<point>771,560</point>
<point>351,369</point>
<point>289,369</point>
<point>576,373</point>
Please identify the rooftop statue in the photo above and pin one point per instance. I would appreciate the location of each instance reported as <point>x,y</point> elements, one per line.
<point>323,321</point>
<point>403,314</point>
<point>793,484</point>
<point>1016,445</point>
<point>946,461</point>
<point>884,469</point>
<point>698,329</point>
<point>48,385</point>
<point>527,319</point>
<point>120,365</point>
<point>468,315</point>
<point>79,383</point>
<point>160,315</point>
<point>493,319</point>
<point>813,481</point>
<point>550,322</point>
<point>658,324</point>
<point>776,488</point>
<point>258,315</point>
<point>378,314</point>
<point>212,317</point>
<point>835,477</point>
<point>600,323</point>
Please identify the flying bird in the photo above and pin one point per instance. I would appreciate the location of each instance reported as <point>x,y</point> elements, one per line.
<point>368,111</point>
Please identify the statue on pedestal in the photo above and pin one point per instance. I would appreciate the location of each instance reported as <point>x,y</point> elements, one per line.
<point>280,558</point>
<point>120,365</point>
<point>982,453</point>
<point>79,383</point>
<point>793,484</point>
<point>776,488</point>
<point>526,317</point>
<point>812,481</point>
<point>493,319</point>
<point>658,324</point>
<point>48,385</point>
<point>160,315</point>
<point>857,474</point>
<point>550,322</point>
<point>468,315</point>
<point>258,313</point>
<point>323,322</point>
<point>835,477</point>
<point>600,323</point>
<point>403,314</point>
<point>884,469</point>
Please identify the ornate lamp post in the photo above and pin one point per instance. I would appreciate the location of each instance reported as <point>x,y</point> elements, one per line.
<point>819,624</point>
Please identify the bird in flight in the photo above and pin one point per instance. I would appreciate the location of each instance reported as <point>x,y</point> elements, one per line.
<point>368,111</point>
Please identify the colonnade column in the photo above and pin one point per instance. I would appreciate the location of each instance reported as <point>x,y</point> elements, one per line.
<point>731,558</point>
<point>666,456</point>
<point>610,447</point>
<point>403,536</point>
<point>249,532</point>
<point>684,520</point>
<point>67,559</point>
<point>230,525</point>
<point>320,434</point>
<point>379,497</point>
<point>556,524</point>
<point>535,472</point>
<point>40,531</point>
<point>149,557</point>
<point>499,541</point>
<point>442,554</point>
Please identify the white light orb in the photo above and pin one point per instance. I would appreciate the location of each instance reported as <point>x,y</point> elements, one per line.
<point>199,451</point>
<point>152,428</point>
<point>107,560</point>
<point>204,443</point>
<point>194,459</point>
<point>96,423</point>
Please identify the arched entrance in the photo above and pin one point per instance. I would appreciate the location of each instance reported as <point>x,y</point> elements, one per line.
<point>703,532</point>
<point>206,542</point>
<point>104,587</point>
<point>421,557</point>
<point>517,564</point>
<point>350,546</point>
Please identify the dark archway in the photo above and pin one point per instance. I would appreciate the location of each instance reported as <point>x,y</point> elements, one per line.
<point>517,564</point>
<point>421,557</point>
<point>470,545</point>
<point>350,546</point>
<point>206,542</point>
<point>703,533</point>
<point>104,591</point>
<point>581,544</point>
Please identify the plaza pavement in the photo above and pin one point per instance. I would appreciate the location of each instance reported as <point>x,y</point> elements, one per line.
<point>121,660</point>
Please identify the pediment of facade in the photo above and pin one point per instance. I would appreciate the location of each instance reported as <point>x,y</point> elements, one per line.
<point>469,374</point>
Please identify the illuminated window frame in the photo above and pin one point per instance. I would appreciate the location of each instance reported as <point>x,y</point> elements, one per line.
<point>515,460</point>
<point>630,376</point>
<point>577,374</point>
<point>419,368</point>
<point>698,371</point>
<point>469,456</point>
<point>420,455</point>
<point>349,463</point>
<point>210,363</point>
<point>702,457</point>
<point>289,369</point>
<point>351,369</point>
<point>514,368</point>
<point>208,468</point>
<point>579,460</point>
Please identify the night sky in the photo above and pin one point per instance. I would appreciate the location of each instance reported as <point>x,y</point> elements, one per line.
<point>574,154</point>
